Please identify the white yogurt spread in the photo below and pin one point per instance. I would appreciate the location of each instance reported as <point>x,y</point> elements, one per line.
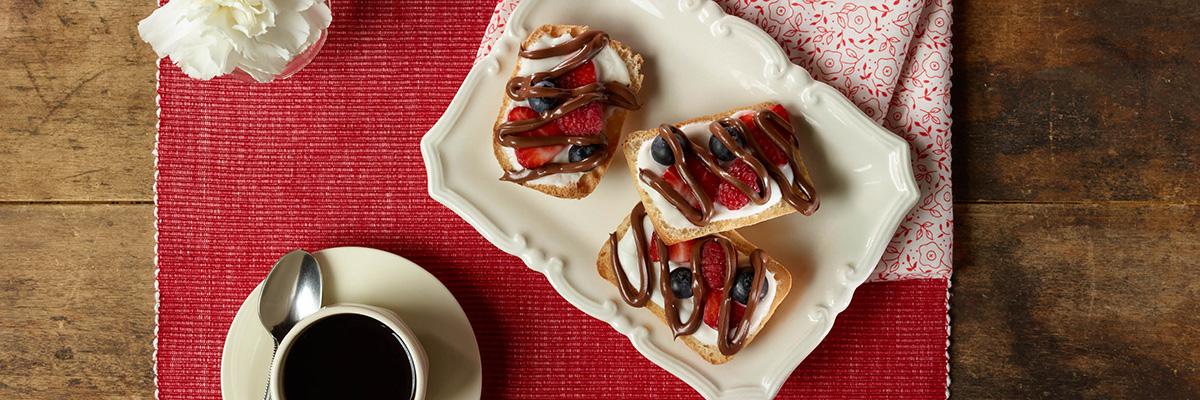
<point>627,254</point>
<point>609,68</point>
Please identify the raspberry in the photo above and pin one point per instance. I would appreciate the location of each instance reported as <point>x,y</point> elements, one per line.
<point>772,151</point>
<point>580,76</point>
<point>712,261</point>
<point>712,309</point>
<point>728,195</point>
<point>583,121</point>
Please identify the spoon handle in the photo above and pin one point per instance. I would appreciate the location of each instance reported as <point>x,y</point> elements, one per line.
<point>274,350</point>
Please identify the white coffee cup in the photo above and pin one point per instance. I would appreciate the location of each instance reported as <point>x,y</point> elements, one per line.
<point>415,352</point>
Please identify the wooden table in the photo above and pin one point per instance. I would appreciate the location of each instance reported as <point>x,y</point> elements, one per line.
<point>1077,156</point>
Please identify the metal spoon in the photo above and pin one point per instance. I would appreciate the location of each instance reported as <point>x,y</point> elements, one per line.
<point>291,292</point>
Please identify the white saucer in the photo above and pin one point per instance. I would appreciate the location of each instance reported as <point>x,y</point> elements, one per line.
<point>378,278</point>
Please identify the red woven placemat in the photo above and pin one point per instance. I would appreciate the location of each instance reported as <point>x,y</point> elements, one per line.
<point>330,158</point>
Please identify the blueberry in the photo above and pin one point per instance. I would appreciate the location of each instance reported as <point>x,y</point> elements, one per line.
<point>543,104</point>
<point>741,286</point>
<point>718,149</point>
<point>681,283</point>
<point>579,153</point>
<point>661,152</point>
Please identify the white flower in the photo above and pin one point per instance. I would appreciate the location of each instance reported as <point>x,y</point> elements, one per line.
<point>210,38</point>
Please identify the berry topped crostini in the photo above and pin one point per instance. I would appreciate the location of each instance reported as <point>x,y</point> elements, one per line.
<point>720,172</point>
<point>733,286</point>
<point>566,102</point>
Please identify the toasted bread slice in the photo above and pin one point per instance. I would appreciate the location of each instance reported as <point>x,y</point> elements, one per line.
<point>612,125</point>
<point>674,234</point>
<point>709,352</point>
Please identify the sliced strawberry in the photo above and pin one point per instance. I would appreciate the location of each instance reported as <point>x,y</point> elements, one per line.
<point>653,247</point>
<point>782,112</point>
<point>533,157</point>
<point>748,120</point>
<point>728,195</point>
<point>738,311</point>
<point>521,114</point>
<point>774,154</point>
<point>580,76</point>
<point>708,180</point>
<point>712,262</point>
<point>524,113</point>
<point>681,252</point>
<point>673,178</point>
<point>583,121</point>
<point>712,309</point>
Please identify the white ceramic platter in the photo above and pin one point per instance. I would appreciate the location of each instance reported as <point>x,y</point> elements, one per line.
<point>378,278</point>
<point>698,61</point>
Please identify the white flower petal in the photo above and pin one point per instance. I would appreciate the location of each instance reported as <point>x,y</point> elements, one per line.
<point>209,38</point>
<point>291,32</point>
<point>284,6</point>
<point>318,15</point>
<point>265,57</point>
<point>159,31</point>
<point>204,58</point>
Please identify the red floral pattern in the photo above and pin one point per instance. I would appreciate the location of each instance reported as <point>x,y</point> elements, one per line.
<point>892,59</point>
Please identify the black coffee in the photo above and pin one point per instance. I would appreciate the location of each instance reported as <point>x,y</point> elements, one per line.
<point>347,356</point>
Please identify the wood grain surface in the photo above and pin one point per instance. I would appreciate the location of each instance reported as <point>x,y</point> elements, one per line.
<point>1076,100</point>
<point>77,94</point>
<point>76,301</point>
<point>1077,174</point>
<point>1076,301</point>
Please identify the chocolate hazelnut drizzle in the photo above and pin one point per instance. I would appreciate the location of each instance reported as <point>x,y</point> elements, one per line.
<point>699,290</point>
<point>799,193</point>
<point>580,49</point>
<point>635,297</point>
<point>729,341</point>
